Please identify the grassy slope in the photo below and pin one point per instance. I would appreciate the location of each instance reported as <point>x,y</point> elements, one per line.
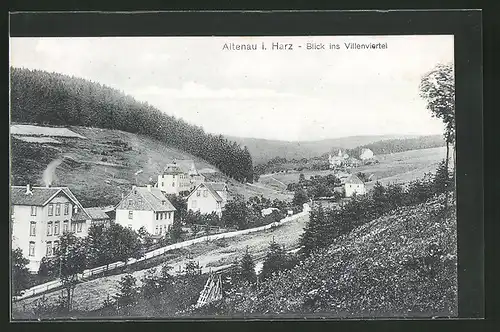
<point>263,150</point>
<point>385,268</point>
<point>84,171</point>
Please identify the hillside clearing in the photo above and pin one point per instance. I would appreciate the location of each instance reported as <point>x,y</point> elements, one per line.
<point>33,130</point>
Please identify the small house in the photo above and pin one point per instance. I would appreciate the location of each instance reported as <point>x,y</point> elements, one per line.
<point>208,197</point>
<point>353,185</point>
<point>146,207</point>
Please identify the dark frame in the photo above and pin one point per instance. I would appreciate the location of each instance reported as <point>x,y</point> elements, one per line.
<point>465,25</point>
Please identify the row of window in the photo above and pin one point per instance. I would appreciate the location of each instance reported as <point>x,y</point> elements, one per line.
<point>205,193</point>
<point>163,215</point>
<point>161,229</point>
<point>194,204</point>
<point>51,209</point>
<point>51,248</point>
<point>53,228</point>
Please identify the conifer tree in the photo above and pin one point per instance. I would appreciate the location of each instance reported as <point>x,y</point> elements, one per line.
<point>276,260</point>
<point>247,268</point>
<point>316,233</point>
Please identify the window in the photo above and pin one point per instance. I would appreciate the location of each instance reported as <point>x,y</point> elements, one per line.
<point>173,184</point>
<point>129,202</point>
<point>58,209</point>
<point>56,227</point>
<point>169,215</point>
<point>51,209</point>
<point>131,214</point>
<point>205,193</point>
<point>56,247</point>
<point>163,202</point>
<point>157,215</point>
<point>65,226</point>
<point>161,215</point>
<point>79,227</point>
<point>33,228</point>
<point>66,209</point>
<point>194,203</point>
<point>33,210</point>
<point>31,249</point>
<point>156,230</point>
<point>49,249</point>
<point>198,193</point>
<point>73,227</point>
<point>49,228</point>
<point>162,184</point>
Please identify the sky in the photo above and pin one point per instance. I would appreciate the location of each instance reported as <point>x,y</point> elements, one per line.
<point>291,95</point>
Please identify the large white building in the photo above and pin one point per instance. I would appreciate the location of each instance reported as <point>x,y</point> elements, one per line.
<point>366,154</point>
<point>208,197</point>
<point>146,207</point>
<point>353,185</point>
<point>178,177</point>
<point>40,215</point>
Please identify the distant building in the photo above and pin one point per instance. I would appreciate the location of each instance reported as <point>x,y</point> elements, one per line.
<point>268,211</point>
<point>366,154</point>
<point>180,176</point>
<point>339,160</point>
<point>208,197</point>
<point>40,215</point>
<point>99,216</point>
<point>353,185</point>
<point>146,207</point>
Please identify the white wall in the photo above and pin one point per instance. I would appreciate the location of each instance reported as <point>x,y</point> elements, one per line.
<point>205,205</point>
<point>350,189</point>
<point>174,184</point>
<point>140,219</point>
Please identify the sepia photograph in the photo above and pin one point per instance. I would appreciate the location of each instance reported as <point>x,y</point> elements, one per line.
<point>216,177</point>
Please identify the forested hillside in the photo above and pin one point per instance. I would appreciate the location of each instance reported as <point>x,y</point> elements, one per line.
<point>400,145</point>
<point>51,98</point>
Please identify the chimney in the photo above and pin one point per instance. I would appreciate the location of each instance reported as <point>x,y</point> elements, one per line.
<point>28,190</point>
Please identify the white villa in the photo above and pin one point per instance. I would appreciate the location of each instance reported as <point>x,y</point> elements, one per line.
<point>353,185</point>
<point>366,154</point>
<point>208,197</point>
<point>180,176</point>
<point>148,207</point>
<point>40,215</point>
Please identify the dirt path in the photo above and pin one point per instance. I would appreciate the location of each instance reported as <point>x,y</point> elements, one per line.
<point>210,255</point>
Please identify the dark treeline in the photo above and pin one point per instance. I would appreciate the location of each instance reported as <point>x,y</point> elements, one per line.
<point>400,145</point>
<point>55,99</point>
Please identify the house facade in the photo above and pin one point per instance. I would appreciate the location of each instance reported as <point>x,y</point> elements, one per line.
<point>99,216</point>
<point>338,160</point>
<point>353,185</point>
<point>40,215</point>
<point>174,180</point>
<point>208,197</point>
<point>146,207</point>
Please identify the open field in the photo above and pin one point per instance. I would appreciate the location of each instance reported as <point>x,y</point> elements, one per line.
<point>395,167</point>
<point>32,130</point>
<point>219,253</point>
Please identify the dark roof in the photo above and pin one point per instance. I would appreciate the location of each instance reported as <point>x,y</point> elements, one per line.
<point>144,199</point>
<point>155,198</point>
<point>217,186</point>
<point>41,196</point>
<point>97,213</point>
<point>353,179</point>
<point>211,190</point>
<point>173,169</point>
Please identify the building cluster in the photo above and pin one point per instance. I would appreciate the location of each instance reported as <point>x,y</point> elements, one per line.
<point>41,214</point>
<point>343,160</point>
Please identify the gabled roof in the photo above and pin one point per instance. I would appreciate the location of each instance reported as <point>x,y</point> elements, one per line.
<point>97,213</point>
<point>211,190</point>
<point>172,169</point>
<point>41,196</point>
<point>353,179</point>
<point>153,200</point>
<point>217,186</point>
